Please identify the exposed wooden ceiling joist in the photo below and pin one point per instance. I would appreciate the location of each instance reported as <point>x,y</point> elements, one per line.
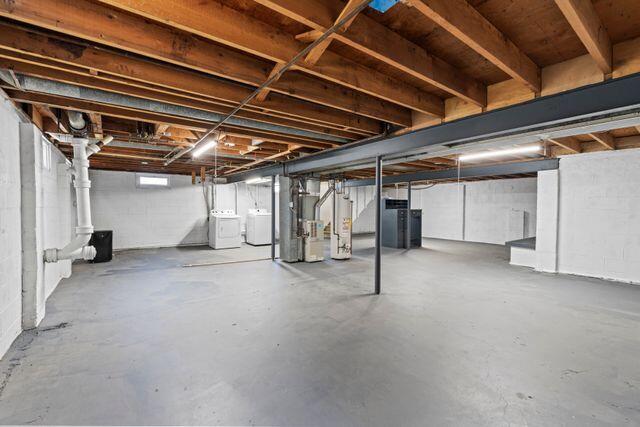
<point>104,25</point>
<point>222,24</point>
<point>585,21</point>
<point>460,19</point>
<point>380,42</point>
<point>116,85</point>
<point>315,54</point>
<point>106,64</point>
<point>197,125</point>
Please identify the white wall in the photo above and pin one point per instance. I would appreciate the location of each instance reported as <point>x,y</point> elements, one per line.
<point>241,197</point>
<point>498,211</point>
<point>148,217</point>
<point>485,211</point>
<point>46,218</point>
<point>35,214</point>
<point>157,217</point>
<point>599,215</point>
<point>10,232</point>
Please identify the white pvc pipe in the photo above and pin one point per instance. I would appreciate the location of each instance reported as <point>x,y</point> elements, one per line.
<point>78,248</point>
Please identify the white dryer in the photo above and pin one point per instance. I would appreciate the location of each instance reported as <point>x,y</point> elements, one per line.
<point>224,229</point>
<point>258,227</point>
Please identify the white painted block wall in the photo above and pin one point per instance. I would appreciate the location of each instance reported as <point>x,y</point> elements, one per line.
<point>547,222</point>
<point>599,215</point>
<point>485,211</point>
<point>148,217</point>
<point>35,213</point>
<point>162,217</point>
<point>10,231</point>
<point>498,211</point>
<point>46,218</point>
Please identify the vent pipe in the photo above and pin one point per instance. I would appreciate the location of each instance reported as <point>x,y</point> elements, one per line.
<point>78,248</point>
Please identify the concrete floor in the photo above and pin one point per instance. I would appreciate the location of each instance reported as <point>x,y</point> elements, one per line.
<point>458,337</point>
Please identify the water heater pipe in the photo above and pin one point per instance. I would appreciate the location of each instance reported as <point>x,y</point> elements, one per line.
<point>323,199</point>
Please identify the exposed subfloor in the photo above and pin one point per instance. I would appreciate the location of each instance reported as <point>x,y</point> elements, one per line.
<point>459,337</point>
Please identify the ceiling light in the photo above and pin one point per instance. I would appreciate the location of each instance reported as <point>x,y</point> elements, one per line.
<point>257,180</point>
<point>256,141</point>
<point>500,153</point>
<point>204,147</point>
<point>229,144</point>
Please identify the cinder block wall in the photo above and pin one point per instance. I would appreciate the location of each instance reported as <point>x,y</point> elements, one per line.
<point>10,228</point>
<point>35,213</point>
<point>486,211</point>
<point>163,217</point>
<point>599,215</point>
<point>148,217</point>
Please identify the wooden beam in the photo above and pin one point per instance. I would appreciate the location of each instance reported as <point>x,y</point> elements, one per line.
<point>262,95</point>
<point>198,125</point>
<point>104,25</point>
<point>51,52</point>
<point>570,143</point>
<point>124,87</point>
<point>383,44</point>
<point>266,159</point>
<point>161,128</point>
<point>460,19</point>
<point>46,112</point>
<point>96,124</point>
<point>35,116</point>
<point>605,138</point>
<point>314,55</point>
<point>585,21</point>
<point>222,24</point>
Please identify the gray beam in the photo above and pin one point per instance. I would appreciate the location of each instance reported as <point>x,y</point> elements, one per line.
<point>51,87</point>
<point>614,103</point>
<point>514,168</point>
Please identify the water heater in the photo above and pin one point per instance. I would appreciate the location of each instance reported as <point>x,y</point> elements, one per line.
<point>341,226</point>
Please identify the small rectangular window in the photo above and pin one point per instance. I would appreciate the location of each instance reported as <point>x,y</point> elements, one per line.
<point>46,154</point>
<point>152,181</point>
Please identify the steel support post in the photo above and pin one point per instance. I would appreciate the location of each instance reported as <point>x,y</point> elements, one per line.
<point>378,222</point>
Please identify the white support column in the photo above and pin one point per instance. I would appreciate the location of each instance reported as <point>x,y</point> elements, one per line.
<point>547,221</point>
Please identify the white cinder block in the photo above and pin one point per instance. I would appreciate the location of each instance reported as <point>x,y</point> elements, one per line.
<point>599,220</point>
<point>143,217</point>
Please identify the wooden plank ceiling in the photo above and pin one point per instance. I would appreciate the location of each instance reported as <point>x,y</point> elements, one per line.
<point>420,63</point>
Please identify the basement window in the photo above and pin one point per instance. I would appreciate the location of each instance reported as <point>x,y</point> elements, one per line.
<point>145,180</point>
<point>46,154</point>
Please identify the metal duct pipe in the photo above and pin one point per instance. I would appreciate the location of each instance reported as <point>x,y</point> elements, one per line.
<point>321,200</point>
<point>77,121</point>
<point>78,248</point>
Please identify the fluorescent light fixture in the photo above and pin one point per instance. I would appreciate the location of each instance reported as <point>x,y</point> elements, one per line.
<point>500,153</point>
<point>205,147</point>
<point>229,144</point>
<point>257,180</point>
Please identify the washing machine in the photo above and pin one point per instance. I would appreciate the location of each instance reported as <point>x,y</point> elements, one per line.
<point>258,227</point>
<point>224,229</point>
